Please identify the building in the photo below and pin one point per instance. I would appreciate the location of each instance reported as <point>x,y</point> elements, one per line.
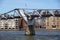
<point>9,24</point>
<point>39,22</point>
<point>53,22</point>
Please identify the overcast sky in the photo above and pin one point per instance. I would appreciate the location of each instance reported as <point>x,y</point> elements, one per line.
<point>6,5</point>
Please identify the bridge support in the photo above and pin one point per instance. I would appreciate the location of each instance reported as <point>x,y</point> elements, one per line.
<point>29,30</point>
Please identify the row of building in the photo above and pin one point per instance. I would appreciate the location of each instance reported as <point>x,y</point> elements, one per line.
<point>49,20</point>
<point>9,24</point>
<point>52,21</point>
<point>45,20</point>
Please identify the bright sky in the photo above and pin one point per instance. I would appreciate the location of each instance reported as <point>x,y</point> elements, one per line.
<point>7,5</point>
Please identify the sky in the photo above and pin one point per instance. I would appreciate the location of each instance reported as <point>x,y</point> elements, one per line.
<point>7,5</point>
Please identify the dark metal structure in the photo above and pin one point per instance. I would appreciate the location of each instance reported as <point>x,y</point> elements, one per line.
<point>45,13</point>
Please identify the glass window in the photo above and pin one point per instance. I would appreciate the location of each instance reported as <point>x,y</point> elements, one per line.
<point>6,26</point>
<point>53,26</point>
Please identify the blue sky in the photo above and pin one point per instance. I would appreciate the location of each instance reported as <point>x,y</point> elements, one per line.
<point>6,5</point>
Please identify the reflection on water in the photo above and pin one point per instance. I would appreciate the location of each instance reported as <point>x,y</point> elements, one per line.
<point>17,36</point>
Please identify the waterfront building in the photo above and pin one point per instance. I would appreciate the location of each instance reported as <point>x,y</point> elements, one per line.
<point>9,24</point>
<point>53,22</point>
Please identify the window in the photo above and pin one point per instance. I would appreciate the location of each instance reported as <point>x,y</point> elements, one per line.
<point>13,28</point>
<point>6,26</point>
<point>53,26</point>
<point>9,28</point>
<point>1,28</point>
<point>16,27</point>
<point>16,23</point>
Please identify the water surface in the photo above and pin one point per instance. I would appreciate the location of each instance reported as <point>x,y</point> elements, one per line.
<point>21,36</point>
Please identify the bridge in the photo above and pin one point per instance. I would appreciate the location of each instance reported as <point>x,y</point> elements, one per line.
<point>24,14</point>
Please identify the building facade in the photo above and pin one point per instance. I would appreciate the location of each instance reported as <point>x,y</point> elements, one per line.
<point>52,22</point>
<point>9,24</point>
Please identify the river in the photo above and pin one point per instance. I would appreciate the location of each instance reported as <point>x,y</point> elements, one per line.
<point>19,35</point>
